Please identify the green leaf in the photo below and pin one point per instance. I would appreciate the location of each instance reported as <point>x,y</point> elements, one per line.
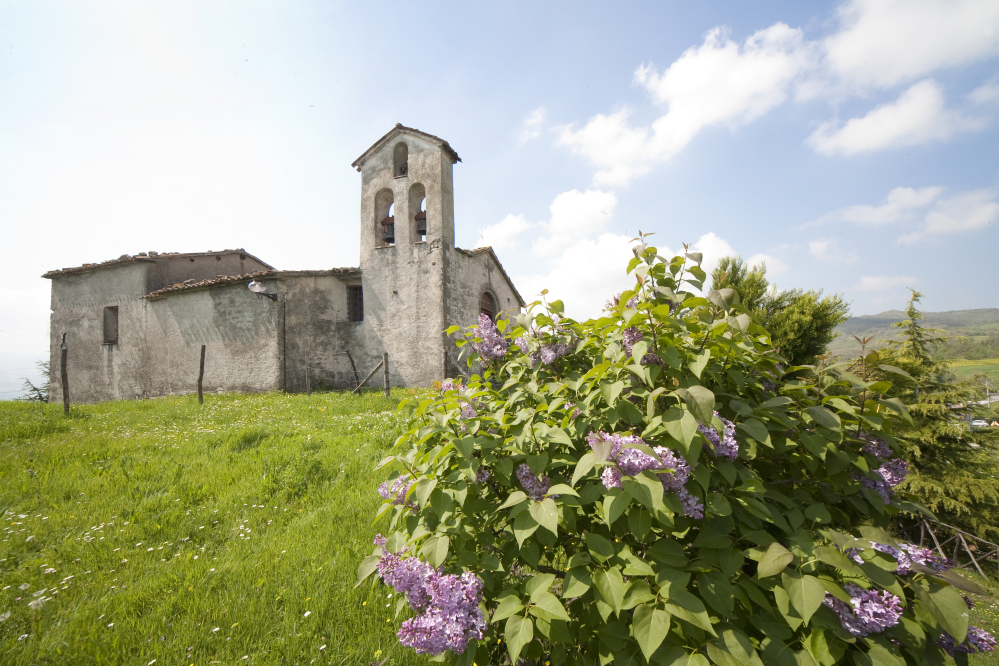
<point>723,298</point>
<point>805,592</point>
<point>519,632</point>
<point>561,489</point>
<point>700,401</point>
<point>583,467</point>
<point>510,605</point>
<point>774,560</point>
<point>550,604</point>
<point>524,525</point>
<point>611,586</point>
<point>779,401</point>
<point>732,648</point>
<point>516,497</point>
<point>647,489</point>
<point>818,513</point>
<point>599,547</point>
<point>684,605</point>
<point>638,350</point>
<point>577,583</point>
<point>546,513</point>
<point>836,558</point>
<point>953,612</point>
<point>825,417</point>
<point>615,502</point>
<point>435,549</point>
<point>897,406</point>
<point>610,392</point>
<point>680,425</point>
<point>717,591</point>
<point>699,362</point>
<point>559,436</point>
<point>754,429</point>
<point>423,489</point>
<point>368,566</point>
<point>539,583</point>
<point>650,626</point>
<point>878,656</point>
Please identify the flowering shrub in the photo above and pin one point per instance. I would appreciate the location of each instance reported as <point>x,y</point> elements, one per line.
<point>656,486</point>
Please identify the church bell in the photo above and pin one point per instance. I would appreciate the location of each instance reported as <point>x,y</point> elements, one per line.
<point>421,223</point>
<point>388,230</point>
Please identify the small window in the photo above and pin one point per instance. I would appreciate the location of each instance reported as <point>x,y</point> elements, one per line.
<point>487,305</point>
<point>355,303</point>
<point>111,325</point>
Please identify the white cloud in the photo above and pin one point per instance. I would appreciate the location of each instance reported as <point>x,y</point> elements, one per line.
<point>918,116</point>
<point>575,215</point>
<point>828,250</point>
<point>985,93</point>
<point>884,282</point>
<point>774,265</point>
<point>718,83</point>
<point>967,211</point>
<point>532,125</point>
<point>899,206</point>
<point>504,233</point>
<point>887,42</point>
<point>584,276</point>
<point>713,248</point>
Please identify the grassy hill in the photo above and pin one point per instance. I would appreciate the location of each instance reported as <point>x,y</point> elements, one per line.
<point>980,327</point>
<point>164,532</point>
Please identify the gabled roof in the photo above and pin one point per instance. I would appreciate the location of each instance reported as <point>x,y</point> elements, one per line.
<point>224,280</point>
<point>150,256</point>
<point>489,251</point>
<point>399,129</point>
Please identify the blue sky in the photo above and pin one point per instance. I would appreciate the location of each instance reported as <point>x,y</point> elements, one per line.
<point>853,146</point>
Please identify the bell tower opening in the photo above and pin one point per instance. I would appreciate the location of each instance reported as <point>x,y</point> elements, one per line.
<point>385,218</point>
<point>400,160</point>
<point>418,212</point>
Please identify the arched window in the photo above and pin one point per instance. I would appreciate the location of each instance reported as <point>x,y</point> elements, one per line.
<point>384,218</point>
<point>487,305</point>
<point>400,160</point>
<point>418,213</point>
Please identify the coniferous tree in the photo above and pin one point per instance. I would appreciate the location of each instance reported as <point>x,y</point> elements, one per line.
<point>952,467</point>
<point>801,323</point>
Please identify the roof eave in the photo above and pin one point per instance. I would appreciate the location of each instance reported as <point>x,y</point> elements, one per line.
<point>399,128</point>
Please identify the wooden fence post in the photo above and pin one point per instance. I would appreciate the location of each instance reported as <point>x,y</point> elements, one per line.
<point>354,368</point>
<point>64,375</point>
<point>385,374</point>
<point>201,375</point>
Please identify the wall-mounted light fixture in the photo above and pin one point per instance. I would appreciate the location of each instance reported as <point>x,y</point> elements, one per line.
<point>260,289</point>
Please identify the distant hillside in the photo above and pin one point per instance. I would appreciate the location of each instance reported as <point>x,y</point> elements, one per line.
<point>981,327</point>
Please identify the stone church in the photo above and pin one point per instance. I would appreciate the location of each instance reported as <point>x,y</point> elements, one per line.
<point>134,326</point>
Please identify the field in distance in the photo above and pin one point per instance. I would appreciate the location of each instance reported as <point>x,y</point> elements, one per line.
<point>229,533</point>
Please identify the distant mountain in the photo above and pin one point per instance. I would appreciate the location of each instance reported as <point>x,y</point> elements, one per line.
<point>970,323</point>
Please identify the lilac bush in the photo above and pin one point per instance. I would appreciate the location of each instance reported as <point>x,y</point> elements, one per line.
<point>707,506</point>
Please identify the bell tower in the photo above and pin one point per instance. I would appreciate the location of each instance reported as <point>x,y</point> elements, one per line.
<point>407,247</point>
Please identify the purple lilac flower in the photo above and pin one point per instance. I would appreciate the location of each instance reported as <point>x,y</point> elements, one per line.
<point>868,611</point>
<point>554,351</point>
<point>632,462</point>
<point>449,385</point>
<point>875,446</point>
<point>978,640</point>
<point>894,471</point>
<point>877,485</point>
<point>398,491</point>
<point>447,606</point>
<point>969,602</point>
<point>482,475</point>
<point>493,345</point>
<point>575,410</point>
<point>535,487</point>
<point>725,445</point>
<point>906,554</point>
<point>468,410</point>
<point>631,336</point>
<point>615,300</point>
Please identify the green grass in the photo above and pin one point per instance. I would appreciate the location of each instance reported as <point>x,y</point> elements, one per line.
<point>222,534</point>
<point>966,368</point>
